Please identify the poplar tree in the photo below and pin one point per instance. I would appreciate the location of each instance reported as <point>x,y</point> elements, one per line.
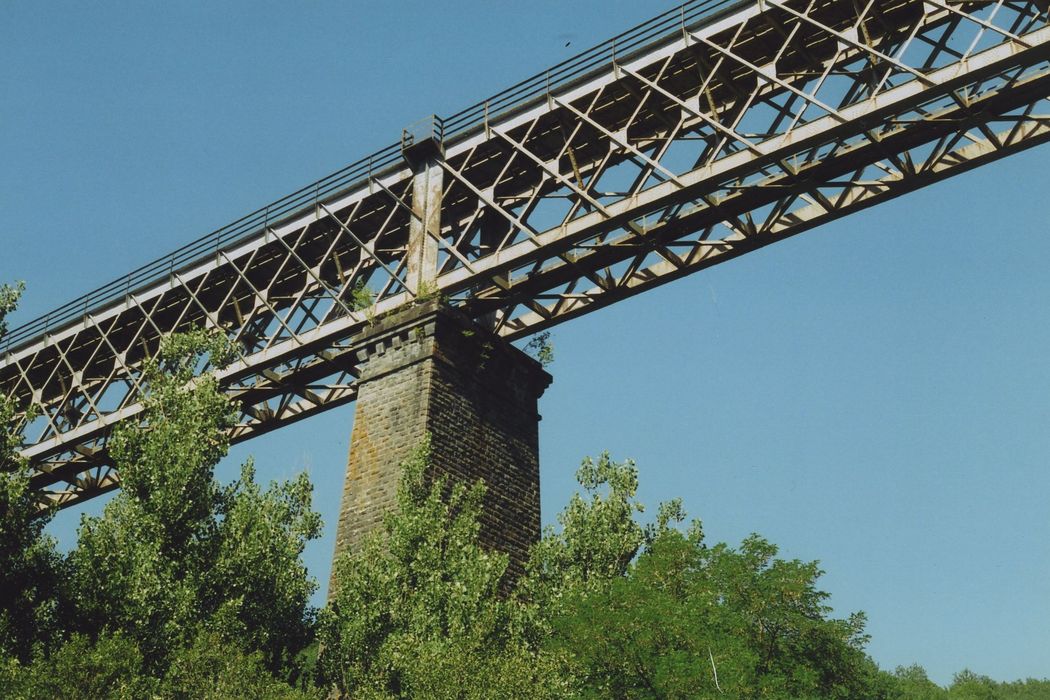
<point>176,555</point>
<point>182,587</point>
<point>29,564</point>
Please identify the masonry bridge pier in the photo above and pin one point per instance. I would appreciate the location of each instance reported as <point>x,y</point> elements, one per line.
<point>430,371</point>
<point>703,134</point>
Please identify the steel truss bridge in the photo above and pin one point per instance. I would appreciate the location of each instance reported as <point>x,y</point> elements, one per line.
<point>707,132</point>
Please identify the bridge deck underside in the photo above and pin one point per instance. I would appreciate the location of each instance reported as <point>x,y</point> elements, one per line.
<point>724,135</point>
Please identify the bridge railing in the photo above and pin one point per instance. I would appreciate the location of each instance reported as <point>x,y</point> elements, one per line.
<point>583,65</point>
<point>251,224</point>
<point>456,127</point>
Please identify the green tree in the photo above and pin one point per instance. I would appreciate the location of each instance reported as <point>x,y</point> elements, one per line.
<point>598,536</point>
<point>967,685</point>
<point>81,669</point>
<point>175,555</point>
<point>654,612</point>
<point>912,683</point>
<point>29,565</point>
<point>8,302</point>
<point>608,608</point>
<point>111,668</point>
<point>693,621</point>
<point>185,588</point>
<point>211,669</point>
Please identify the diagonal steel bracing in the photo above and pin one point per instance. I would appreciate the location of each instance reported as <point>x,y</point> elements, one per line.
<point>710,131</point>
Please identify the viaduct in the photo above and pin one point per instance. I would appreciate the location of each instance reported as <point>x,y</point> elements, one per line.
<point>399,282</point>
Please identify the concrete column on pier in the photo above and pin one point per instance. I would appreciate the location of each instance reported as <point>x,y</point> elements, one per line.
<point>429,370</point>
<point>422,151</point>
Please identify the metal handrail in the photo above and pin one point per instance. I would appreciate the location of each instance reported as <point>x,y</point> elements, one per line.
<point>457,127</point>
<point>98,300</point>
<point>578,68</point>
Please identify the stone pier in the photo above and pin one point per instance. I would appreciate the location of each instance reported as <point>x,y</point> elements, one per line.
<point>431,370</point>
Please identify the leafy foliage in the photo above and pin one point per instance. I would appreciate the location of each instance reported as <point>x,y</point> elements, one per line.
<point>181,587</point>
<point>689,620</point>
<point>598,538</point>
<point>8,301</point>
<point>418,611</point>
<point>361,297</point>
<point>81,669</point>
<point>541,348</point>
<point>211,669</point>
<point>176,555</point>
<point>112,668</point>
<point>912,683</point>
<point>29,565</point>
<point>181,584</point>
<point>607,608</point>
<point>258,585</point>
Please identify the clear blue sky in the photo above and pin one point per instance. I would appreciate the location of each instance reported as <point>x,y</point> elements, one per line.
<point>872,394</point>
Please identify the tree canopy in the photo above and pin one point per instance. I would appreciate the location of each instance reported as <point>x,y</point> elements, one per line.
<point>182,585</point>
<point>607,608</point>
<point>30,567</point>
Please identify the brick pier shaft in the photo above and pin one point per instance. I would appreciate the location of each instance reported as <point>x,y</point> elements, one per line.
<point>430,370</point>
